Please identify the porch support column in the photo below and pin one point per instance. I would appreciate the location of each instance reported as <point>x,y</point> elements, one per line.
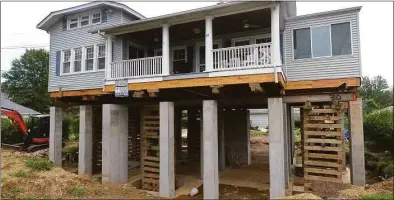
<point>115,147</point>
<point>275,35</point>
<point>55,135</point>
<point>210,140</point>
<point>276,148</point>
<point>166,50</point>
<point>167,157</point>
<point>85,140</point>
<point>208,44</point>
<point>357,165</point>
<point>109,56</point>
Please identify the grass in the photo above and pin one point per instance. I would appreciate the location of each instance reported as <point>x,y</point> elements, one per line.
<point>377,196</point>
<point>39,164</point>
<point>15,192</point>
<point>19,174</point>
<point>258,133</point>
<point>30,198</point>
<point>78,191</point>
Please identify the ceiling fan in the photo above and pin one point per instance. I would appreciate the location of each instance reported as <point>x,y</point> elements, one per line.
<point>247,24</point>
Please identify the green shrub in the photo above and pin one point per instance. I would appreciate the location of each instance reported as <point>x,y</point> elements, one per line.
<point>388,170</point>
<point>377,196</point>
<point>78,191</point>
<point>70,149</point>
<point>378,130</point>
<point>30,198</point>
<point>19,174</point>
<point>39,164</point>
<point>10,135</point>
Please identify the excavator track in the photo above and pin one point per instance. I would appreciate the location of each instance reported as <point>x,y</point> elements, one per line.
<point>34,148</point>
<point>17,147</point>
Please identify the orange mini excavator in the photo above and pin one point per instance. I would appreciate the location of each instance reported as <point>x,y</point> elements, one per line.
<point>35,138</point>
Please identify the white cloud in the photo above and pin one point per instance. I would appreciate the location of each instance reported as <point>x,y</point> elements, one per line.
<point>19,20</point>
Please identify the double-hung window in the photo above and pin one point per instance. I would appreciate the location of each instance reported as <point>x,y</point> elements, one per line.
<point>73,23</point>
<point>89,58</point>
<point>101,57</point>
<point>263,40</point>
<point>66,61</point>
<point>179,54</point>
<point>85,20</point>
<point>77,59</point>
<point>96,18</point>
<point>322,41</point>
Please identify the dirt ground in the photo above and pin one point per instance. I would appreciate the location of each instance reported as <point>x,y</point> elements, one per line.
<point>56,183</point>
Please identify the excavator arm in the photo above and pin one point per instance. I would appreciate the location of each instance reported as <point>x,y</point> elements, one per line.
<point>16,119</point>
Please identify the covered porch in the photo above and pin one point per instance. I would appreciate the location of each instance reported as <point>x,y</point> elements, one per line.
<point>234,43</point>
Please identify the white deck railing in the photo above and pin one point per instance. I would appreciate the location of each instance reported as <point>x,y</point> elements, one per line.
<point>242,57</point>
<point>137,68</point>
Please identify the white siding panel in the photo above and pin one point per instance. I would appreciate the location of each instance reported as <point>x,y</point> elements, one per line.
<point>61,40</point>
<point>328,67</point>
<point>259,117</point>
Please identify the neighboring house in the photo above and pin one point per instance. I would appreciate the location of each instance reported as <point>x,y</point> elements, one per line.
<point>259,117</point>
<point>215,62</point>
<point>24,111</point>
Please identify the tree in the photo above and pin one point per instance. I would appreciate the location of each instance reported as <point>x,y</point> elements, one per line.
<point>27,81</point>
<point>375,89</point>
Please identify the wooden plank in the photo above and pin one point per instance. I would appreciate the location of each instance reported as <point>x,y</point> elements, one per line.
<point>198,82</point>
<point>151,122</point>
<point>321,178</point>
<point>151,181</point>
<point>150,169</point>
<point>323,171</point>
<point>308,125</point>
<point>317,98</point>
<point>331,118</point>
<point>322,83</point>
<point>157,148</point>
<point>321,155</point>
<point>321,163</point>
<point>330,141</point>
<point>151,164</point>
<point>151,136</point>
<point>152,158</point>
<point>151,175</point>
<point>151,117</point>
<point>319,148</point>
<point>326,111</point>
<point>324,133</point>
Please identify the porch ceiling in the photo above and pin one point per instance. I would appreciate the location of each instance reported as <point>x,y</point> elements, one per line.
<point>258,19</point>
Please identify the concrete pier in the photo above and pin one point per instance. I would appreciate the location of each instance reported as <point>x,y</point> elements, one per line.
<point>115,149</point>
<point>55,135</point>
<point>85,140</point>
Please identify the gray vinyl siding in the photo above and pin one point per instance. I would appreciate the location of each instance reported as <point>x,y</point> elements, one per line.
<point>70,39</point>
<point>326,67</point>
<point>259,117</point>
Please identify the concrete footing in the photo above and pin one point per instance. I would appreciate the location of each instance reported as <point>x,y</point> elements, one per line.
<point>115,149</point>
<point>85,140</point>
<point>276,147</point>
<point>167,160</point>
<point>210,155</point>
<point>55,135</point>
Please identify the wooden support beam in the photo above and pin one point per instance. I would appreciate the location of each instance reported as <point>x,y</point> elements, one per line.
<point>153,92</point>
<point>256,87</point>
<point>89,97</point>
<point>282,91</point>
<point>319,98</point>
<point>323,83</point>
<point>139,94</point>
<point>216,89</point>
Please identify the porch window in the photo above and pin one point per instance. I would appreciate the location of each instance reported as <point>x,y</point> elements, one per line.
<point>85,21</point>
<point>77,59</point>
<point>89,58</point>
<point>96,18</point>
<point>241,43</point>
<point>330,40</point>
<point>321,41</point>
<point>66,61</point>
<point>179,54</point>
<point>101,57</point>
<point>73,23</point>
<point>341,41</point>
<point>263,40</point>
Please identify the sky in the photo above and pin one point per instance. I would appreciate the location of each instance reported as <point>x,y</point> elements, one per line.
<point>19,20</point>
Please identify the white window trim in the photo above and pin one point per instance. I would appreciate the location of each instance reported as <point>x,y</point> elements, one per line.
<point>241,39</point>
<point>329,38</point>
<point>310,31</point>
<point>80,20</point>
<point>62,61</point>
<point>178,48</point>
<point>97,55</point>
<point>86,58</point>
<point>73,53</point>
<point>267,35</point>
<point>91,18</point>
<point>252,39</point>
<point>69,23</point>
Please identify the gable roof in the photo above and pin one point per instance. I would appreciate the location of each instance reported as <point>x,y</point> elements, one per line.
<point>54,16</point>
<point>6,103</point>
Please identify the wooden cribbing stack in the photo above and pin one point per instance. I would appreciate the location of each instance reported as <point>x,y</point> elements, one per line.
<point>150,161</point>
<point>322,143</point>
<point>134,135</point>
